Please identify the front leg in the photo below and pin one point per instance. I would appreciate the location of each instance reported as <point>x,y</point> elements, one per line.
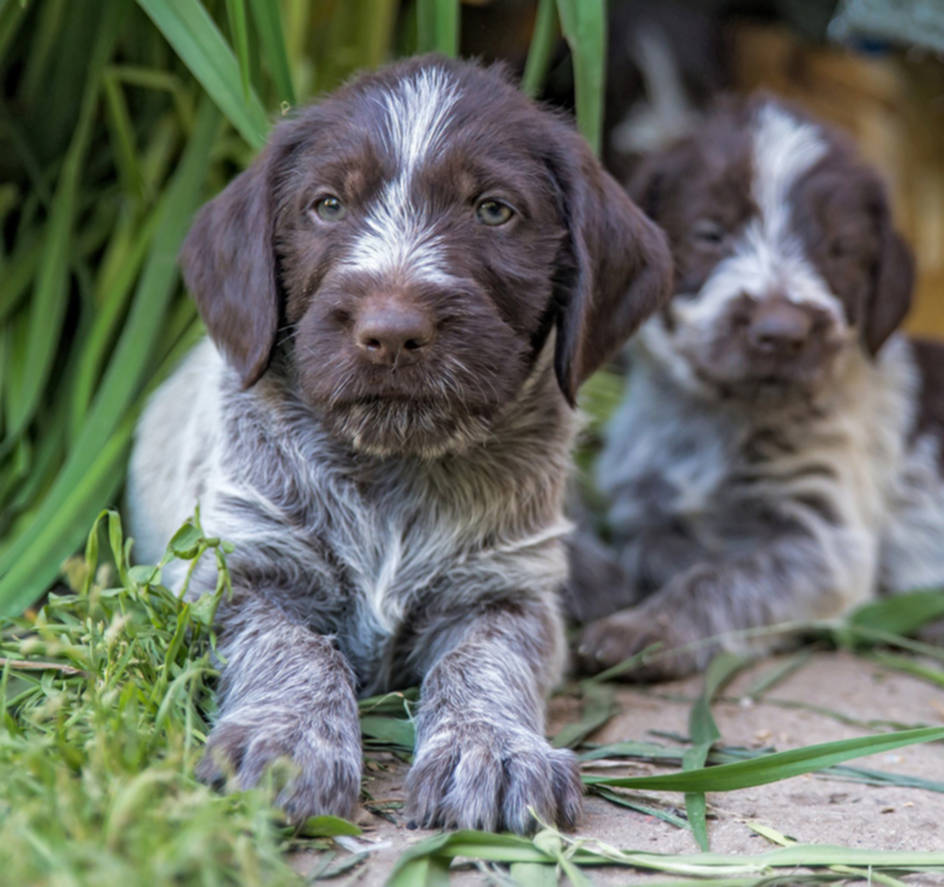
<point>286,693</point>
<point>797,577</point>
<point>481,756</point>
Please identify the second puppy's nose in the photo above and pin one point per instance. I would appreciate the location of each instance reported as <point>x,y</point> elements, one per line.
<point>393,331</point>
<point>779,327</point>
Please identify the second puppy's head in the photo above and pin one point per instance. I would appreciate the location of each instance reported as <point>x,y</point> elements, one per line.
<point>784,250</point>
<point>409,244</point>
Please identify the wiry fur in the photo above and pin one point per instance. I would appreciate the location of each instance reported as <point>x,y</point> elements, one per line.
<point>395,522</point>
<point>747,489</point>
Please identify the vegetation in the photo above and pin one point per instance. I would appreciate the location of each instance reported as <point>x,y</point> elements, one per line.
<point>119,119</point>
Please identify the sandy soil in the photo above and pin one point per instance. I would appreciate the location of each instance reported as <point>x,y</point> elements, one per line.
<point>811,809</point>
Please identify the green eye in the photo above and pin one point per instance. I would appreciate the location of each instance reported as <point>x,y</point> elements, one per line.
<point>330,209</point>
<point>493,212</point>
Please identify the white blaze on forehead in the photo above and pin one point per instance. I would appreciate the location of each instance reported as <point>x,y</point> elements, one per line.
<point>785,148</point>
<point>768,257</point>
<point>399,235</point>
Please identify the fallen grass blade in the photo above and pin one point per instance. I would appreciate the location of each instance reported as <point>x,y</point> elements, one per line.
<point>773,767</point>
<point>704,734</point>
<point>900,613</point>
<point>598,706</point>
<point>188,28</point>
<point>909,666</point>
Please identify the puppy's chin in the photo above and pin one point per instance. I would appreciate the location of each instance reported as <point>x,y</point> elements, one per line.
<point>389,427</point>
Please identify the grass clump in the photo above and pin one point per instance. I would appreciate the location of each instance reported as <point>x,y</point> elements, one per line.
<point>104,698</point>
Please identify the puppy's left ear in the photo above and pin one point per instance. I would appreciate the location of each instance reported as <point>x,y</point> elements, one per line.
<point>617,271</point>
<point>892,287</point>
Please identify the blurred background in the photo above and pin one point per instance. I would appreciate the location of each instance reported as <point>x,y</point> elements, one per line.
<point>119,118</point>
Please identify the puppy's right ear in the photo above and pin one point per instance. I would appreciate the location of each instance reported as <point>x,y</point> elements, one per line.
<point>229,265</point>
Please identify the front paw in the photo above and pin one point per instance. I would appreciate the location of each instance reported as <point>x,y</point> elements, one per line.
<point>480,775</point>
<point>323,761</point>
<point>610,641</point>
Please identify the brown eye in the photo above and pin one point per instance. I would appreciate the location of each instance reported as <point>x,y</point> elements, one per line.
<point>329,208</point>
<point>708,232</point>
<point>493,212</point>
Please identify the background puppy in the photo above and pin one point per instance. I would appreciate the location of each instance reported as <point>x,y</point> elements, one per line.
<point>764,466</point>
<point>403,293</point>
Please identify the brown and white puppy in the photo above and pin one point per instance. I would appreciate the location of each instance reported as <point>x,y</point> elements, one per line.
<point>403,293</point>
<point>765,465</point>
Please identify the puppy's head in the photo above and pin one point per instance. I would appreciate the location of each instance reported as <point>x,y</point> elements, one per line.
<point>410,243</point>
<point>784,251</point>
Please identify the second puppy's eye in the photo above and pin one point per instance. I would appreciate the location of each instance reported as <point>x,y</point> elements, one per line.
<point>329,208</point>
<point>709,232</point>
<point>493,212</point>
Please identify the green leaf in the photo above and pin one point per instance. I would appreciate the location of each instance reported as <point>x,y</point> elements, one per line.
<point>50,297</point>
<point>268,23</point>
<point>900,613</point>
<point>327,827</point>
<point>598,706</point>
<point>395,731</point>
<point>93,470</point>
<point>437,24</point>
<point>236,14</point>
<point>541,50</point>
<point>188,28</point>
<point>584,25</point>
<point>778,765</point>
<point>704,734</point>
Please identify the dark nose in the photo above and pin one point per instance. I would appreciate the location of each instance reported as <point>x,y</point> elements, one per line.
<point>779,327</point>
<point>393,330</point>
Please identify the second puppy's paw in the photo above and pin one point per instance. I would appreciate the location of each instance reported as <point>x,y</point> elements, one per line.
<point>610,641</point>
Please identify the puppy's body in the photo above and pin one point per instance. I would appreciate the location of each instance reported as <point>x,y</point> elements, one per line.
<point>445,264</point>
<point>765,465</point>
<point>371,551</point>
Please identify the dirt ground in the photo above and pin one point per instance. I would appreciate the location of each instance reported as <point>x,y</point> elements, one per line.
<point>810,809</point>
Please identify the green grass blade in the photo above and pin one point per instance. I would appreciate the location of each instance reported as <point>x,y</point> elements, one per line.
<point>239,28</point>
<point>900,613</point>
<point>778,765</point>
<point>599,705</point>
<point>584,25</point>
<point>50,297</point>
<point>542,46</point>
<point>704,734</point>
<point>123,141</point>
<point>437,26</point>
<point>33,557</point>
<point>187,26</point>
<point>268,22</point>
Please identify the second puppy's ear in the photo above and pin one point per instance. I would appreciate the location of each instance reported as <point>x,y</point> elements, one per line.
<point>890,299</point>
<point>229,265</point>
<point>617,272</point>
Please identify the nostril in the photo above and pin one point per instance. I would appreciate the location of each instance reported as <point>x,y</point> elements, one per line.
<point>372,344</point>
<point>414,344</point>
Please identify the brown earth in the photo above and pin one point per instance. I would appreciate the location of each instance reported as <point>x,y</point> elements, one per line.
<point>831,696</point>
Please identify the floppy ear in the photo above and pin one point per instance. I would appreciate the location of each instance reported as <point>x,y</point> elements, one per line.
<point>229,265</point>
<point>890,299</point>
<point>620,269</point>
